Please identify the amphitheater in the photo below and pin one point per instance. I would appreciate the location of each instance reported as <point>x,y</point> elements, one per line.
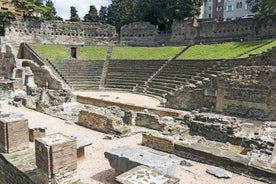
<point>81,103</point>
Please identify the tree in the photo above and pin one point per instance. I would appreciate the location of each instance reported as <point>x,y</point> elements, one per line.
<point>30,8</point>
<point>113,14</point>
<point>103,14</point>
<point>51,14</point>
<point>74,14</point>
<point>5,16</point>
<point>263,7</point>
<point>92,15</point>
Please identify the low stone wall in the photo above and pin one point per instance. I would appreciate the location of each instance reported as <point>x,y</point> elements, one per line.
<point>126,107</point>
<point>215,128</point>
<point>10,173</point>
<point>212,154</point>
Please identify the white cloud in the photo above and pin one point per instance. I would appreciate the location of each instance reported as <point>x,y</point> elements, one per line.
<point>82,6</point>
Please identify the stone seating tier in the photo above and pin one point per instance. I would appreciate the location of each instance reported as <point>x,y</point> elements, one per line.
<point>80,75</point>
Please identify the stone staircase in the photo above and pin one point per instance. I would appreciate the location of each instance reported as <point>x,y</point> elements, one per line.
<point>105,68</point>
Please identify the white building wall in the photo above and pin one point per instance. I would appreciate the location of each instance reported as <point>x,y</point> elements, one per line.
<point>234,9</point>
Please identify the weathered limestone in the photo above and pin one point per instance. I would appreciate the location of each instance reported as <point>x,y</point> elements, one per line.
<point>71,108</point>
<point>162,143</point>
<point>82,142</point>
<point>56,159</point>
<point>149,121</point>
<point>273,160</point>
<point>218,172</point>
<point>145,175</point>
<point>212,127</point>
<point>125,158</point>
<point>13,133</point>
<point>102,122</point>
<point>248,92</point>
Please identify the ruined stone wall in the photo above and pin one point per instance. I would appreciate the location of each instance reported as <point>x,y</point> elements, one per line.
<point>7,62</point>
<point>186,32</point>
<point>57,32</point>
<point>190,100</point>
<point>138,33</point>
<point>10,174</point>
<point>42,74</point>
<point>248,92</point>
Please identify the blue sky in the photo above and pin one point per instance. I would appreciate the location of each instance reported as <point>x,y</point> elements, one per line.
<point>82,6</point>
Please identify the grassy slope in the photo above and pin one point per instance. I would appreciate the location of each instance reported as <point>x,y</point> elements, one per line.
<point>220,51</point>
<point>145,52</point>
<point>93,52</point>
<point>262,49</point>
<point>56,52</point>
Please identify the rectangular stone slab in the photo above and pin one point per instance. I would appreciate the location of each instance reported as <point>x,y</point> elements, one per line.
<point>145,175</point>
<point>125,158</point>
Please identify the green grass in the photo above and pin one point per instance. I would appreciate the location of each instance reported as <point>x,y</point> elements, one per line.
<point>93,52</point>
<point>261,49</point>
<point>145,52</point>
<point>56,52</point>
<point>220,51</point>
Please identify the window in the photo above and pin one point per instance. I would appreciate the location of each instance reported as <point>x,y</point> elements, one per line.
<point>210,8</point>
<point>219,1</point>
<point>4,9</point>
<point>229,8</point>
<point>210,0</point>
<point>247,6</point>
<point>239,5</point>
<point>219,8</point>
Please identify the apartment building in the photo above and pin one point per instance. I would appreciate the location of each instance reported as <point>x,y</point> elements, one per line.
<point>226,9</point>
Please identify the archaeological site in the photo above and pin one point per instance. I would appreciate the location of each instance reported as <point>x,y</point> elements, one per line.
<point>82,103</point>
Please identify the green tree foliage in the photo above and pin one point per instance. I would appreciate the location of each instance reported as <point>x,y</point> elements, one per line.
<point>158,12</point>
<point>74,14</point>
<point>51,14</point>
<point>263,7</point>
<point>113,14</point>
<point>30,8</point>
<point>103,14</point>
<point>92,15</point>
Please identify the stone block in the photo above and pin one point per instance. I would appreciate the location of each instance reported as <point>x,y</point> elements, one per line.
<point>158,142</point>
<point>82,142</point>
<point>36,131</point>
<point>13,133</point>
<point>71,108</point>
<point>56,159</point>
<point>143,174</point>
<point>149,121</point>
<point>125,158</point>
<point>103,123</point>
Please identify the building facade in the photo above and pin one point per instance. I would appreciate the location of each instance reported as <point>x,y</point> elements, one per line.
<point>226,9</point>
